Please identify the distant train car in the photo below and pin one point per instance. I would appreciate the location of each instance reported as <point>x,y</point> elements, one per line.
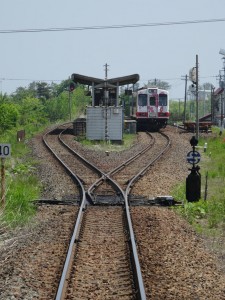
<point>152,108</point>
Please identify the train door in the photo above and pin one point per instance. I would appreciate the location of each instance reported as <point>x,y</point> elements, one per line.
<point>142,105</point>
<point>152,105</point>
<point>163,104</point>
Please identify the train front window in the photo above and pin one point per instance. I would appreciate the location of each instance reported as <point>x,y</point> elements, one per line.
<point>152,101</point>
<point>142,100</point>
<point>162,100</point>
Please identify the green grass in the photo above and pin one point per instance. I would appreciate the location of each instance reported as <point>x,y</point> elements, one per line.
<point>18,207</point>
<point>21,183</point>
<point>210,214</point>
<point>128,141</point>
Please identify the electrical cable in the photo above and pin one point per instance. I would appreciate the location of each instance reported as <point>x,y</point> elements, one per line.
<point>35,30</point>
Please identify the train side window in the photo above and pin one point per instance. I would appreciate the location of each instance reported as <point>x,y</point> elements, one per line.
<point>162,100</point>
<point>152,101</point>
<point>142,100</point>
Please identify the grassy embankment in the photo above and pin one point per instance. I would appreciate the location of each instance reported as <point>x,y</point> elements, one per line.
<point>208,216</point>
<point>21,182</point>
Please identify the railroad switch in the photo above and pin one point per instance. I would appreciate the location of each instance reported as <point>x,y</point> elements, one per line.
<point>155,201</point>
<point>165,201</point>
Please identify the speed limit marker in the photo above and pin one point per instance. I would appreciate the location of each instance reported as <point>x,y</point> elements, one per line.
<point>5,150</point>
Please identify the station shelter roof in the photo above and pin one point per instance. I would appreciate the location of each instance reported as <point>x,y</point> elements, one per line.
<point>87,80</point>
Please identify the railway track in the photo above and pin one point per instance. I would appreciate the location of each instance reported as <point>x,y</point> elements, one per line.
<point>102,259</point>
<point>102,267</point>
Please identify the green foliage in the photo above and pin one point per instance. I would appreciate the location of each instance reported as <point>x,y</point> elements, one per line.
<point>177,109</point>
<point>193,211</point>
<point>128,141</point>
<point>32,111</point>
<point>79,100</point>
<point>40,103</point>
<point>212,210</point>
<point>18,208</point>
<point>9,116</point>
<point>21,184</point>
<point>159,83</point>
<point>58,107</point>
<point>216,213</point>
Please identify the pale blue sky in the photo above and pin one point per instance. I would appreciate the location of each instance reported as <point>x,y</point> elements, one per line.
<point>163,52</point>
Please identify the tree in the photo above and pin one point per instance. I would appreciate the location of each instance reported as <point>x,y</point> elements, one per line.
<point>58,107</point>
<point>9,116</point>
<point>158,83</point>
<point>57,89</point>
<point>43,90</point>
<point>32,111</point>
<point>79,100</point>
<point>4,98</point>
<point>207,86</point>
<point>20,94</point>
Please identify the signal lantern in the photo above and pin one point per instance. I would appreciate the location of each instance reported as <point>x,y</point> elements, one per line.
<point>71,86</point>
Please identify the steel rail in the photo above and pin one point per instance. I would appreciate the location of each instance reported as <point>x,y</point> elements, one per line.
<point>67,264</point>
<point>120,167</point>
<point>64,165</point>
<point>139,280</point>
<point>89,164</point>
<point>141,291</point>
<point>131,159</point>
<point>136,265</point>
<point>133,248</point>
<point>66,267</point>
<point>143,171</point>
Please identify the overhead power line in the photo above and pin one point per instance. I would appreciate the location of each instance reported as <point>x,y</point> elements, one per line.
<point>35,30</point>
<point>59,80</point>
<point>26,79</point>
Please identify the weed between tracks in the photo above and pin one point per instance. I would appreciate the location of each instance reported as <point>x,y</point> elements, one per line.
<point>128,141</point>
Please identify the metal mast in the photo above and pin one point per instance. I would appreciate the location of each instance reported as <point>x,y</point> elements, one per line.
<point>106,96</point>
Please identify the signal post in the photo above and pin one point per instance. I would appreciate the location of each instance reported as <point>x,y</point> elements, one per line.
<point>193,181</point>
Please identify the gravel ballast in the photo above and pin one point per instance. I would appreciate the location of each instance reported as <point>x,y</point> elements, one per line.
<point>175,263</point>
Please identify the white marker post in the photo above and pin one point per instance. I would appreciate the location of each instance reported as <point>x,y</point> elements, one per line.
<point>5,151</point>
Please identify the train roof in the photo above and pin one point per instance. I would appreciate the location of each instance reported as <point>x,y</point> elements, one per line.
<point>87,80</point>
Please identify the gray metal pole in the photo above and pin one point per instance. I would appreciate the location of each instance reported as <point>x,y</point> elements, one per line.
<point>93,94</point>
<point>185,99</point>
<point>223,100</point>
<point>197,117</point>
<point>70,104</point>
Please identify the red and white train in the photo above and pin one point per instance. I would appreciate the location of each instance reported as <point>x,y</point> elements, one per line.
<point>152,108</point>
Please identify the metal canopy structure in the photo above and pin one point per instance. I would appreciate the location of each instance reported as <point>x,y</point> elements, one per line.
<point>99,86</point>
<point>87,80</point>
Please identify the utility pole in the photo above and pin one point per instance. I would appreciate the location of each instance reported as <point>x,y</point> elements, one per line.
<point>197,117</point>
<point>179,110</point>
<point>222,52</point>
<point>106,96</point>
<point>212,103</point>
<point>223,98</point>
<point>106,71</point>
<point>185,97</point>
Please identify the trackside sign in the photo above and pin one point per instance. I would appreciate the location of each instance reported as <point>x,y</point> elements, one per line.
<point>5,150</point>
